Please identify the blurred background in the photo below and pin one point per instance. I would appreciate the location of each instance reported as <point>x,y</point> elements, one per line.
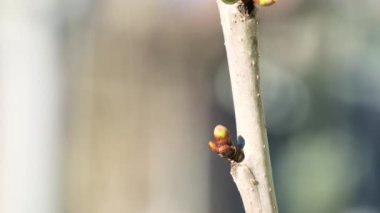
<point>107,106</point>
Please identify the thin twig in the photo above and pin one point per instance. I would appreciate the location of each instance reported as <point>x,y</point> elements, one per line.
<point>253,176</point>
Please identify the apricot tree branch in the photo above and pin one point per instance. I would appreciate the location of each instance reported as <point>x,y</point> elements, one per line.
<point>253,176</point>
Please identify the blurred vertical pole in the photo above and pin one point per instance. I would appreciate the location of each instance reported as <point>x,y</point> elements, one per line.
<point>30,107</point>
<point>139,126</point>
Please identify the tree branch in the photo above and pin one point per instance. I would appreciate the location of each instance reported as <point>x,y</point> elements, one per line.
<point>253,176</point>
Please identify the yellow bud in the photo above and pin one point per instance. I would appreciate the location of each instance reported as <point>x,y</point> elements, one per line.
<point>265,2</point>
<point>221,132</point>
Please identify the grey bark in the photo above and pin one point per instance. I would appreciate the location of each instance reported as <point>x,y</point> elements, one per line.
<point>253,176</point>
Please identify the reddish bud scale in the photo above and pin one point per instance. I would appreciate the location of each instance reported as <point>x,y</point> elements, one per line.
<point>226,150</point>
<point>213,146</point>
